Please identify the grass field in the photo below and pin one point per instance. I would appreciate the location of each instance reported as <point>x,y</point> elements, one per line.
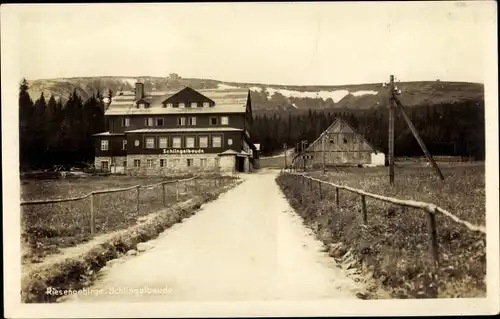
<point>48,227</point>
<point>395,243</point>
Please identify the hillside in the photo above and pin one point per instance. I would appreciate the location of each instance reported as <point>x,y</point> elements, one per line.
<point>272,98</point>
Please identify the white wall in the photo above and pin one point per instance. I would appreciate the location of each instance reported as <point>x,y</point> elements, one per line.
<point>377,159</point>
<point>227,163</point>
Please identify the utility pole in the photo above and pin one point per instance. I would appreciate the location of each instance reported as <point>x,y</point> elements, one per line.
<point>324,152</point>
<point>393,104</point>
<point>391,130</point>
<point>284,147</point>
<point>304,143</point>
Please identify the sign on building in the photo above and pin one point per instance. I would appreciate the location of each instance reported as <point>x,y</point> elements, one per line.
<point>183,151</point>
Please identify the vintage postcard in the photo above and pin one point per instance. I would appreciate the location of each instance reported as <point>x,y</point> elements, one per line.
<point>250,159</point>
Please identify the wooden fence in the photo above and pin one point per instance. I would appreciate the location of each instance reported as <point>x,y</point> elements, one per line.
<point>193,181</point>
<point>430,209</point>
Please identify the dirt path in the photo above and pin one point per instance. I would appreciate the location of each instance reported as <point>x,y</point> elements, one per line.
<point>247,245</point>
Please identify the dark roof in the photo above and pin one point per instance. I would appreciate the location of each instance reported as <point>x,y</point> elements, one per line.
<point>226,101</point>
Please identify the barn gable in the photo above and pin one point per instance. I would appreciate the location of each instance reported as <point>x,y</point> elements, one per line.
<point>340,136</point>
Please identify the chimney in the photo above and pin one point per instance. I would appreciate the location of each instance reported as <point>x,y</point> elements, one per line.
<point>139,90</point>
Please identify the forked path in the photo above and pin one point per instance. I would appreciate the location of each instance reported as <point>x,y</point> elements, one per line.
<point>248,245</point>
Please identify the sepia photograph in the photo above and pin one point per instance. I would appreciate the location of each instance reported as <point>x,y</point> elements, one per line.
<point>250,159</point>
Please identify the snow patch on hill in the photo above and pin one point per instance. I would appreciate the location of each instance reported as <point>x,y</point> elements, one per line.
<point>336,95</point>
<point>360,93</point>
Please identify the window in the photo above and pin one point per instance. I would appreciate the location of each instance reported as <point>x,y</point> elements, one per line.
<point>163,162</point>
<point>182,105</point>
<point>345,140</point>
<point>203,162</point>
<point>137,163</point>
<point>181,121</point>
<point>159,121</point>
<point>104,165</point>
<point>194,104</point>
<point>150,162</point>
<point>216,141</point>
<point>137,143</point>
<point>213,121</point>
<point>162,141</point>
<point>169,105</point>
<point>192,121</point>
<point>332,141</point>
<point>124,163</point>
<point>189,142</point>
<point>224,120</point>
<point>172,105</point>
<point>229,141</point>
<point>124,144</point>
<point>176,162</point>
<point>125,122</point>
<point>104,145</point>
<point>149,121</point>
<point>206,104</point>
<point>176,142</point>
<point>150,142</point>
<point>203,141</point>
<point>189,162</point>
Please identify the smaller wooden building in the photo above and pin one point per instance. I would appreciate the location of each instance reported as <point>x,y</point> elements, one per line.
<point>339,145</point>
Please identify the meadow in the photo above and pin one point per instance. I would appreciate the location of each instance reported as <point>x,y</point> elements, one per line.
<point>46,228</point>
<point>394,244</point>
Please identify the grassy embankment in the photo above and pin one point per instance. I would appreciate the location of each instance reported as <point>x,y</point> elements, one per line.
<point>394,247</point>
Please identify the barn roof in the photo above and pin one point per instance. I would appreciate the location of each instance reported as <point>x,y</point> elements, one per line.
<point>226,101</point>
<point>337,120</point>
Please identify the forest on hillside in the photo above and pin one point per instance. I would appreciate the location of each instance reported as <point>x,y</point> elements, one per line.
<point>59,132</point>
<point>446,129</point>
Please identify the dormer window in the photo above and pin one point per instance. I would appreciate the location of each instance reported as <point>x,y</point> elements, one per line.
<point>182,105</point>
<point>142,105</point>
<point>194,104</point>
<point>206,104</point>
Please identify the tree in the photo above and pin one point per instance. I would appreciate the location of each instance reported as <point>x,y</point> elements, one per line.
<point>25,125</point>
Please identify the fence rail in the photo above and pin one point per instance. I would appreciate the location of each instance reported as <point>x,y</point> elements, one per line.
<point>180,189</point>
<point>430,209</point>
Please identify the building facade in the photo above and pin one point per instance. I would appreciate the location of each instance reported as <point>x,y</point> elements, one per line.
<point>340,145</point>
<point>163,133</point>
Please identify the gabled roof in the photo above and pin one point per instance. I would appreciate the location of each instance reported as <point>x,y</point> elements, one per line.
<point>188,93</point>
<point>341,121</point>
<point>226,101</point>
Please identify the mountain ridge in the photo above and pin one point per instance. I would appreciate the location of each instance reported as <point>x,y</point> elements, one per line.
<point>272,97</point>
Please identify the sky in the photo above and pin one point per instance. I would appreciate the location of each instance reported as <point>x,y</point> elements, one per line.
<point>274,43</point>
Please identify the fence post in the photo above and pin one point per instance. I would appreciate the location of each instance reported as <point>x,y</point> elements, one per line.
<point>92,215</point>
<point>363,208</point>
<point>431,218</point>
<point>337,200</point>
<point>310,184</point>
<point>138,191</point>
<point>177,190</point>
<point>319,187</point>
<point>433,244</point>
<point>163,194</point>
